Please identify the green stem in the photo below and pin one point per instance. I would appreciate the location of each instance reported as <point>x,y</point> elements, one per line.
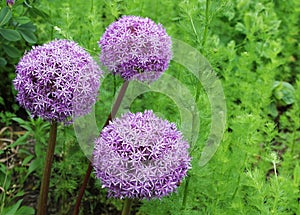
<point>205,33</point>
<point>239,178</point>
<point>198,92</point>
<point>204,39</point>
<point>115,86</point>
<point>42,203</point>
<point>294,140</point>
<point>194,29</point>
<point>127,206</point>
<point>276,197</point>
<point>185,192</point>
<point>4,192</point>
<point>92,5</point>
<point>90,167</point>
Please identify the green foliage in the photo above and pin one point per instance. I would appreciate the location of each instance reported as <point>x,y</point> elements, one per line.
<point>253,47</point>
<point>17,209</point>
<point>284,93</point>
<point>248,174</point>
<point>17,33</point>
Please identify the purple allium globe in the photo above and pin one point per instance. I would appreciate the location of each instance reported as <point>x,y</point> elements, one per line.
<point>57,80</point>
<point>140,156</point>
<point>136,48</point>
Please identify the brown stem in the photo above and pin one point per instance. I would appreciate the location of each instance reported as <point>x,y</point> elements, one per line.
<point>42,203</point>
<point>90,167</point>
<point>83,186</point>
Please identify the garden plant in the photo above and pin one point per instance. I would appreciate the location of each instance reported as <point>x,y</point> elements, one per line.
<point>149,107</point>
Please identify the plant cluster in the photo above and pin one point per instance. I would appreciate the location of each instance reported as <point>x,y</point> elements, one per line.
<point>251,45</point>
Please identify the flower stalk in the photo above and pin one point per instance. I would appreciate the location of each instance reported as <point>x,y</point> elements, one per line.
<point>90,167</point>
<point>127,206</point>
<point>42,203</point>
<point>185,192</point>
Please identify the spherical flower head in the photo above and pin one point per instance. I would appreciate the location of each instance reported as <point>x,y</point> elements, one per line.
<point>136,48</point>
<point>140,156</point>
<point>57,80</point>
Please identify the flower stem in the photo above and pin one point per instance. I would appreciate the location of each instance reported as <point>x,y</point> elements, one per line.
<point>83,186</point>
<point>42,203</point>
<point>207,21</point>
<point>185,192</point>
<point>90,167</point>
<point>127,206</point>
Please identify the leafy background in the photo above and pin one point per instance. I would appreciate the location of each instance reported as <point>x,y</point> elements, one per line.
<point>254,48</point>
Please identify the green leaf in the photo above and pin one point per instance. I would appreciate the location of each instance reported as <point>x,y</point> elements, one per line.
<point>12,209</point>
<point>27,27</point>
<point>25,210</point>
<point>10,34</point>
<point>22,19</point>
<point>273,110</point>
<point>39,13</point>
<point>19,120</point>
<point>11,51</point>
<point>19,194</point>
<point>297,175</point>
<point>5,15</point>
<point>33,166</point>
<point>27,159</point>
<point>240,27</point>
<point>28,36</point>
<point>1,99</point>
<point>3,62</point>
<point>20,141</point>
<point>284,92</point>
<point>3,169</point>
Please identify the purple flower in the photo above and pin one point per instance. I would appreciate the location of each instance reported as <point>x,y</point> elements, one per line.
<point>136,48</point>
<point>140,156</point>
<point>57,80</point>
<point>10,3</point>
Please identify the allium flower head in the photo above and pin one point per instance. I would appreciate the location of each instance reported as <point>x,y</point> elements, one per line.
<point>57,80</point>
<point>136,48</point>
<point>140,156</point>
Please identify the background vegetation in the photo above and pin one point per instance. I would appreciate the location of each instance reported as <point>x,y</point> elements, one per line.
<point>253,45</point>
